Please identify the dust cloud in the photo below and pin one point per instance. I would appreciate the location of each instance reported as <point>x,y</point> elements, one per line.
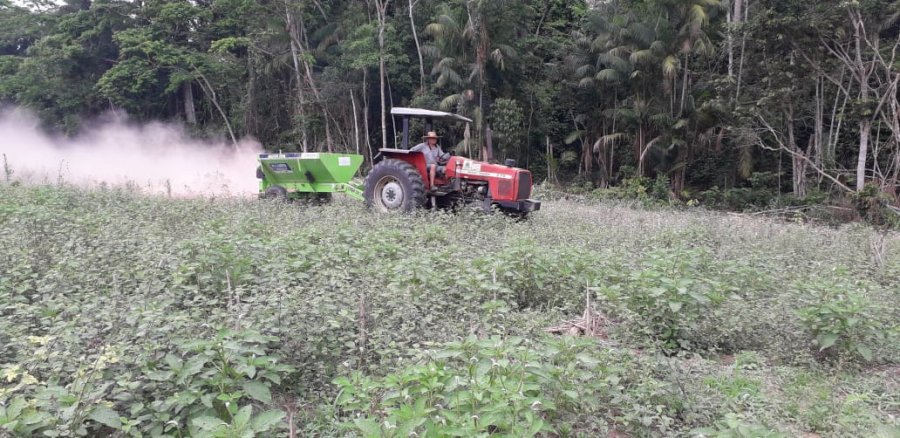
<point>153,158</point>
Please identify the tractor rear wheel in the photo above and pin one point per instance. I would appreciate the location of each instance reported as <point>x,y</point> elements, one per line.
<point>394,185</point>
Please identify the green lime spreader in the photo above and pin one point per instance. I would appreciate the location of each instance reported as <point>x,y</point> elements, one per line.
<point>308,175</point>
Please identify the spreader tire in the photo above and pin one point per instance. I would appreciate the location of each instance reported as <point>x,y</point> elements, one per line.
<point>394,186</point>
<point>276,193</point>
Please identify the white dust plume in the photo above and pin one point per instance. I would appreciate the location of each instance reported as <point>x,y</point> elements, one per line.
<point>154,157</point>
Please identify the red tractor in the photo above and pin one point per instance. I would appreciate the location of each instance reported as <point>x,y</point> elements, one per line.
<point>399,180</point>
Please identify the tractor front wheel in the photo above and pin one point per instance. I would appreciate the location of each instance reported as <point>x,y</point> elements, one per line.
<point>394,185</point>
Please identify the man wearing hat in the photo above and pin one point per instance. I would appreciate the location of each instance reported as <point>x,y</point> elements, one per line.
<point>432,152</point>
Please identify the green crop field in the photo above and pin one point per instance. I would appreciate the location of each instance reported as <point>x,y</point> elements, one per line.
<point>130,315</point>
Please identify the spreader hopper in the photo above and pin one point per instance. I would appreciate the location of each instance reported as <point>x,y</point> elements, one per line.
<point>308,175</point>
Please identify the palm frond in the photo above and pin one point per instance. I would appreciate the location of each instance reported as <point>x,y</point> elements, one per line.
<point>658,47</point>
<point>584,70</point>
<point>642,33</point>
<point>573,136</point>
<point>596,22</point>
<point>448,26</point>
<point>497,57</point>
<point>641,57</point>
<point>325,32</point>
<point>474,72</point>
<point>626,114</point>
<point>614,61</point>
<point>430,51</point>
<point>501,54</point>
<point>676,167</point>
<point>704,46</point>
<point>448,103</point>
<point>670,66</point>
<point>611,140</point>
<point>586,82</point>
<point>608,75</point>
<point>698,16</point>
<point>661,120</point>
<point>446,73</point>
<point>600,42</point>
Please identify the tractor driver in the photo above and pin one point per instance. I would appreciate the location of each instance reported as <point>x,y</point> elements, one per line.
<point>432,153</point>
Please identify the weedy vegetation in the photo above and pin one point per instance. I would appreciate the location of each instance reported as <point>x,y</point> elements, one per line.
<point>130,315</point>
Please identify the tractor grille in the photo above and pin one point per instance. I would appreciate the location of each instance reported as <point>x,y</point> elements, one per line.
<point>524,186</point>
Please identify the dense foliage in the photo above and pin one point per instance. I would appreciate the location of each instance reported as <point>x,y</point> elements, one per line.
<point>726,102</point>
<point>150,316</point>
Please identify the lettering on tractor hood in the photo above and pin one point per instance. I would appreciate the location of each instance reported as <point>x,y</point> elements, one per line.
<point>470,167</point>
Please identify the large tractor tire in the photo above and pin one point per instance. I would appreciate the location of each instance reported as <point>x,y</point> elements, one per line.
<point>394,186</point>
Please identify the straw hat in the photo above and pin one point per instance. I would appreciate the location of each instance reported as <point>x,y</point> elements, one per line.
<point>431,134</point>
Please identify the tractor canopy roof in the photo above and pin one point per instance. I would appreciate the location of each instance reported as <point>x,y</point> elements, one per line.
<point>428,114</point>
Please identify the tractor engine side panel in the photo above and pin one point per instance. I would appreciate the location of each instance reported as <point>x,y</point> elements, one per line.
<point>505,182</point>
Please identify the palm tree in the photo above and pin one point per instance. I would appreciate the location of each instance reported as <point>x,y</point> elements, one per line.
<point>639,55</point>
<point>468,40</point>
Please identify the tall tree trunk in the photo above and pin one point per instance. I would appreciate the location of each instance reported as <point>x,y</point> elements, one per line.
<point>865,125</point>
<point>412,23</point>
<point>355,120</point>
<point>381,6</point>
<point>865,128</point>
<point>587,158</point>
<point>641,147</point>
<point>895,179</point>
<point>208,89</point>
<point>303,44</point>
<point>684,85</point>
<point>834,126</point>
<point>188,94</point>
<point>300,109</point>
<point>819,123</point>
<point>798,157</point>
<point>250,118</point>
<point>730,41</point>
<point>740,15</point>
<point>365,95</point>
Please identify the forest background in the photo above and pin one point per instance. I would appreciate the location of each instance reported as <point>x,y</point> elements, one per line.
<point>736,104</point>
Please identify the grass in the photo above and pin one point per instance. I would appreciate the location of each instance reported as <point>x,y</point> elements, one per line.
<point>135,315</point>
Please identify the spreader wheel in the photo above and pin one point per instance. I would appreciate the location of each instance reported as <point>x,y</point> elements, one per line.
<point>276,193</point>
<point>393,186</point>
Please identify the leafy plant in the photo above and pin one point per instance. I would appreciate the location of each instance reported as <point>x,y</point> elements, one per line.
<point>840,319</point>
<point>671,291</point>
<point>218,378</point>
<point>733,426</point>
<point>489,386</point>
